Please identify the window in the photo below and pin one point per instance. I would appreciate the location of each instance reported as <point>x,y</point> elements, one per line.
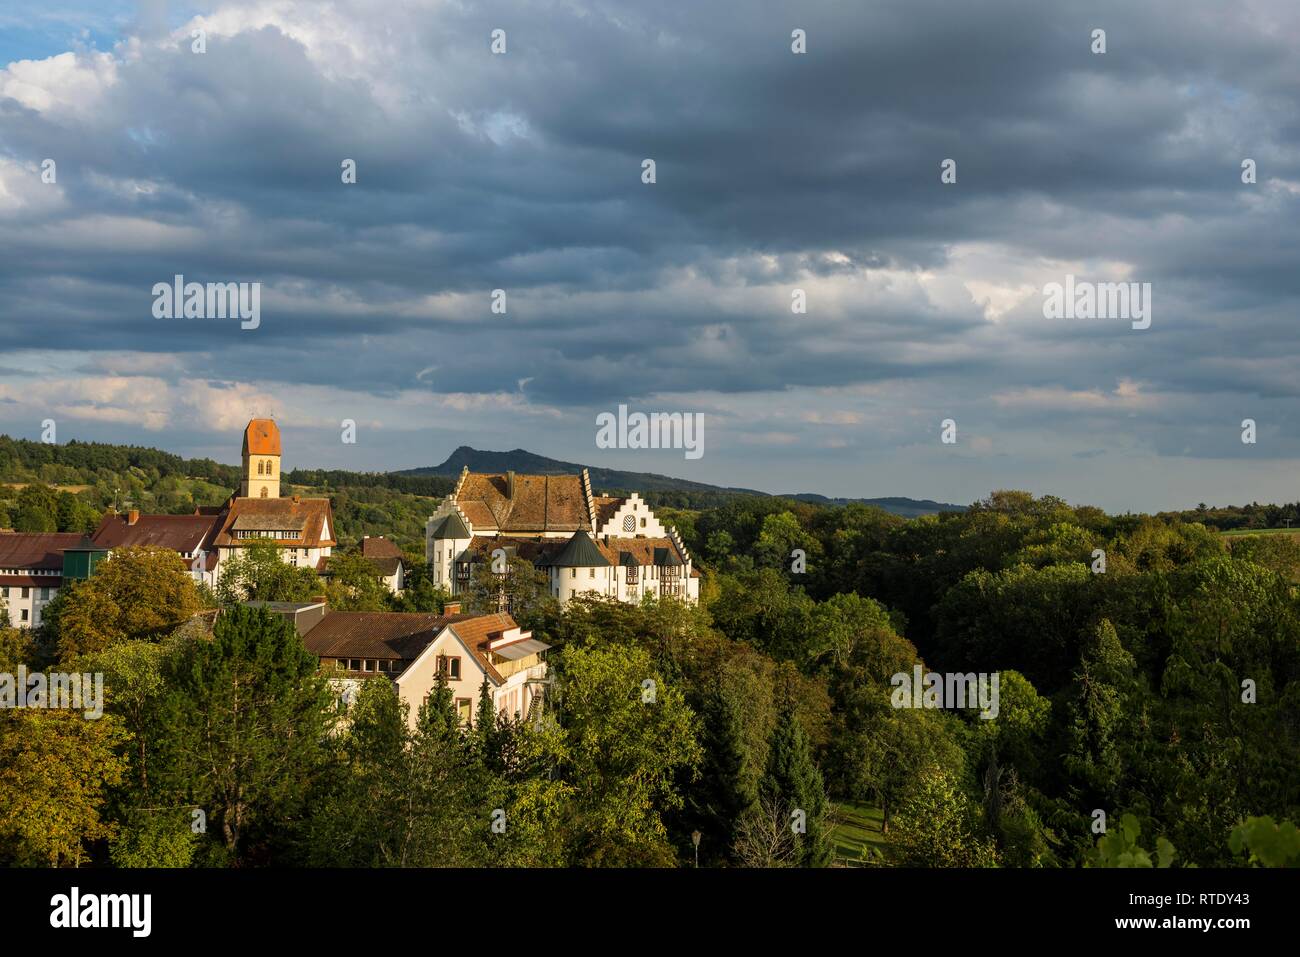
<point>573,573</point>
<point>263,491</point>
<point>449,665</point>
<point>464,708</point>
<point>24,614</point>
<point>259,466</point>
<point>632,576</point>
<point>352,664</point>
<point>26,592</point>
<point>643,523</point>
<point>591,573</point>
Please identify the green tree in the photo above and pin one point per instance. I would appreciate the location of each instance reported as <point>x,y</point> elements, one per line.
<point>421,592</point>
<point>723,792</point>
<point>37,509</point>
<point>138,594</point>
<point>55,771</point>
<point>1265,843</point>
<point>793,783</point>
<point>245,717</point>
<point>627,743</point>
<point>522,590</point>
<point>937,827</point>
<point>354,584</point>
<point>1120,848</point>
<point>259,573</point>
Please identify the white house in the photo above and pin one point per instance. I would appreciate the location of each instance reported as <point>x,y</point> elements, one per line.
<point>585,543</point>
<point>411,648</point>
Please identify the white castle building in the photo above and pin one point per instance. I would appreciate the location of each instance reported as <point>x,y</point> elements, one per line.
<point>586,543</point>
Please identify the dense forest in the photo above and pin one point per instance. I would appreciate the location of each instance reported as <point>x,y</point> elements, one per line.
<point>1148,712</point>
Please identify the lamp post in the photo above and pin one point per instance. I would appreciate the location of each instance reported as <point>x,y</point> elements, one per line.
<point>695,839</point>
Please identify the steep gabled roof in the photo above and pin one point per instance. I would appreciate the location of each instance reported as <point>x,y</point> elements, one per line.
<point>580,552</point>
<point>517,503</point>
<point>451,526</point>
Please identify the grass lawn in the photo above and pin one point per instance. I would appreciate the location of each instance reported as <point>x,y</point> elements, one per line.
<point>857,826</point>
<point>1263,531</point>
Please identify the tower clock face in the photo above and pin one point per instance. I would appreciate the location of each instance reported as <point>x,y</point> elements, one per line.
<point>629,523</point>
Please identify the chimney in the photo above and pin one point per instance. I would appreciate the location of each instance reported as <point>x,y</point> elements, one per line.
<point>451,607</point>
<point>133,516</point>
<point>510,484</point>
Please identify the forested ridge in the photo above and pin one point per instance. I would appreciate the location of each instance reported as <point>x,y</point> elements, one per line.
<point>1149,678</point>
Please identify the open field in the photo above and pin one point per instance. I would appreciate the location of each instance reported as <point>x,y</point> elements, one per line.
<point>1261,531</point>
<point>857,827</point>
<point>74,489</point>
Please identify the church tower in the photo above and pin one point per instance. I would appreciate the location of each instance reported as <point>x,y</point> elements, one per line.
<point>261,460</point>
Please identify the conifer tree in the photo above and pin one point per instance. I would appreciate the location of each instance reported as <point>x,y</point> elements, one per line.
<point>722,793</point>
<point>485,736</point>
<point>793,783</point>
<point>244,721</point>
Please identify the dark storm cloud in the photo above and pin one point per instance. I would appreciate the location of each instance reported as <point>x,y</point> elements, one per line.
<point>774,171</point>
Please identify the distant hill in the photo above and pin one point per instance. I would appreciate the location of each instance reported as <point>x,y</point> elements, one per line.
<point>907,507</point>
<point>614,480</point>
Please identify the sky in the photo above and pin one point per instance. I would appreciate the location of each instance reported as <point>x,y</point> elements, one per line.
<point>774,171</point>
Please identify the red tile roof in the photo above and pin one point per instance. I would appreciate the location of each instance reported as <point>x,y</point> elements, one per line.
<point>262,437</point>
<point>376,634</point>
<point>606,506</point>
<point>309,517</point>
<point>524,503</point>
<point>35,549</point>
<point>477,634</point>
<point>403,636</point>
<point>180,533</point>
<point>376,546</point>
